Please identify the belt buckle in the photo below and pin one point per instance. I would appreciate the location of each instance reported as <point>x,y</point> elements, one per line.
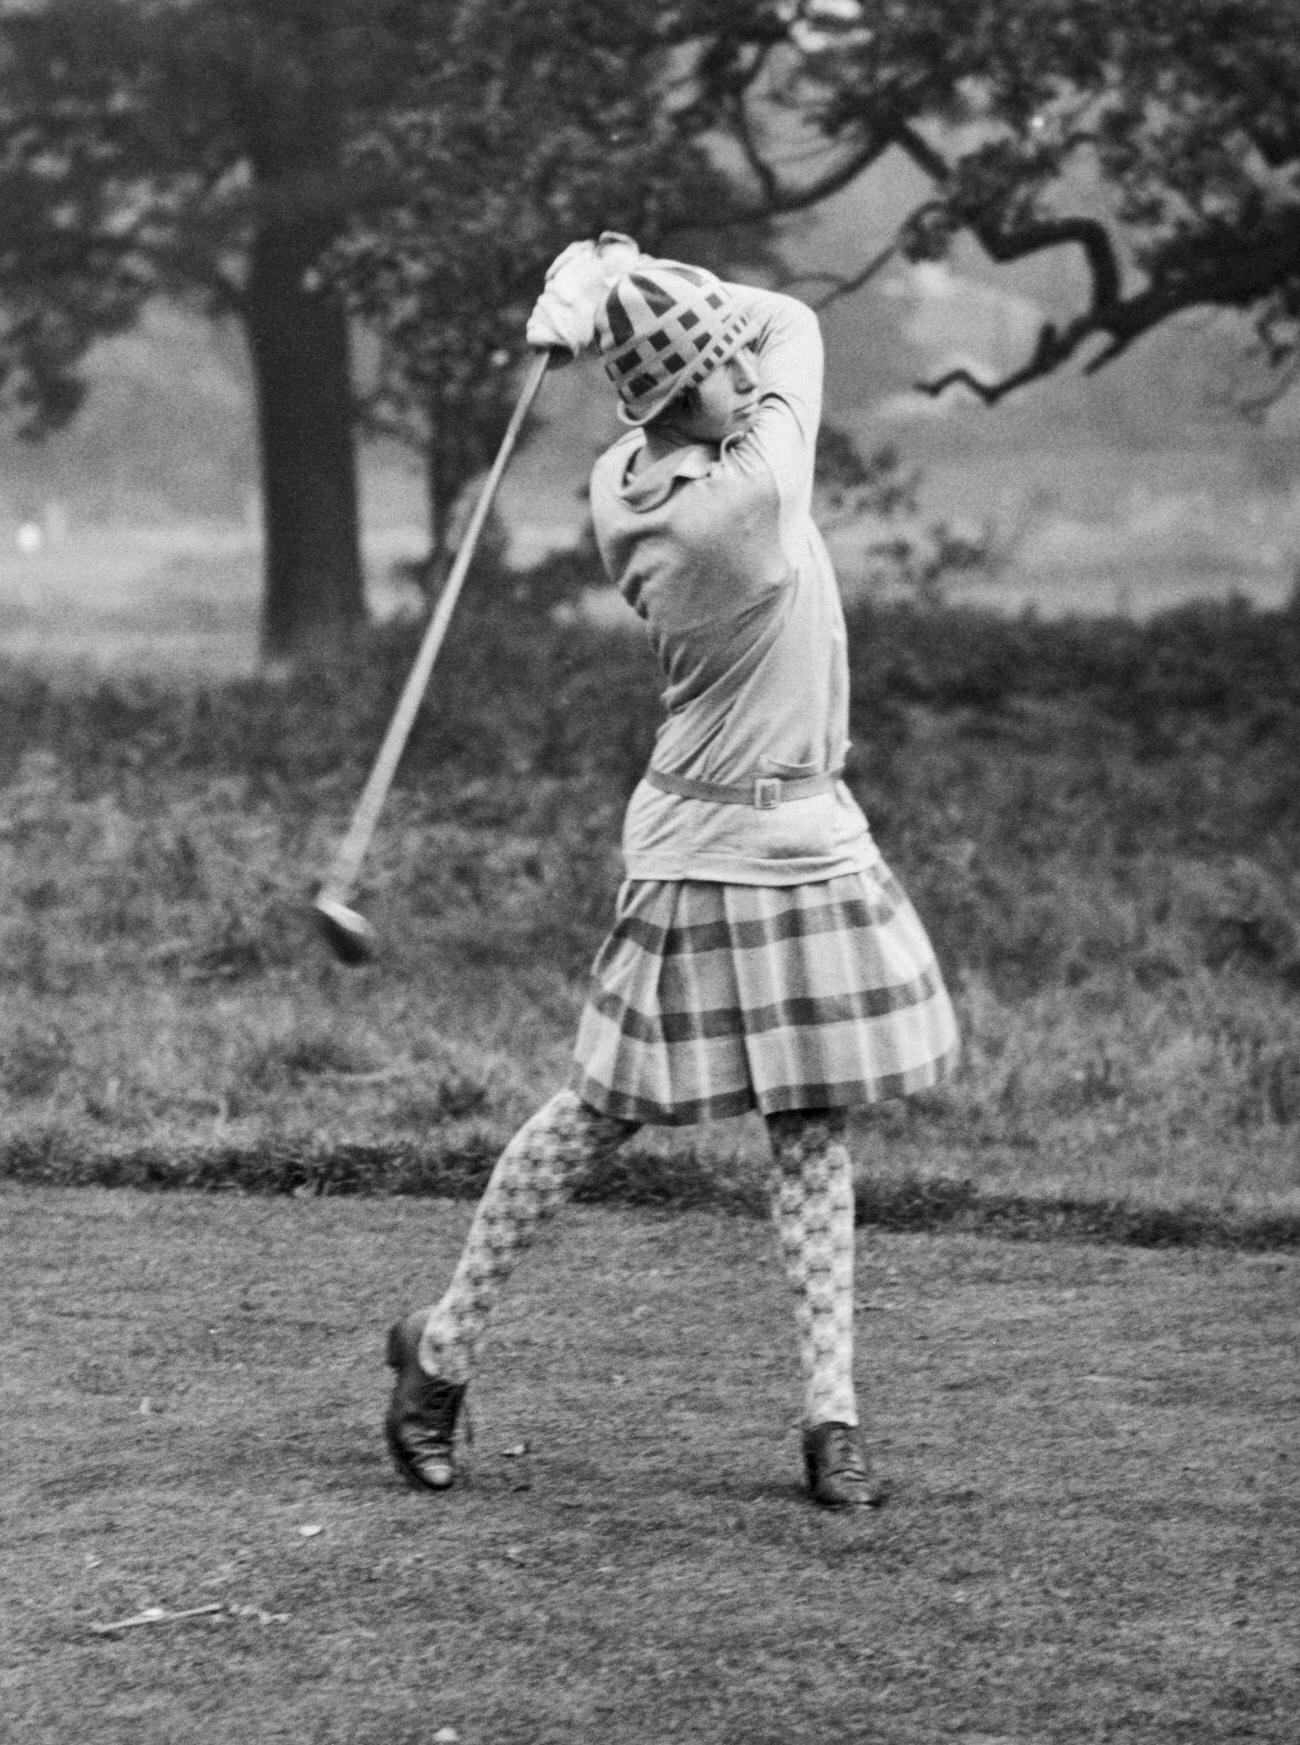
<point>767,792</point>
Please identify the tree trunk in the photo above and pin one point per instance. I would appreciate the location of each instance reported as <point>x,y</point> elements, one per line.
<point>436,495</point>
<point>313,587</point>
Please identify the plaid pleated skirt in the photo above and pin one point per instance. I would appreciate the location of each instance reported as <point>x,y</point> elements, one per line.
<point>709,1000</point>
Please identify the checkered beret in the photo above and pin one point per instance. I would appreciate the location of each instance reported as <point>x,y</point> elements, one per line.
<point>663,327</point>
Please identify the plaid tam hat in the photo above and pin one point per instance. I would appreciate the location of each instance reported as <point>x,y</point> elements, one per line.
<point>662,329</point>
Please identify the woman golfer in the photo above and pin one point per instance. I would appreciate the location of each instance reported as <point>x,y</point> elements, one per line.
<point>762,954</point>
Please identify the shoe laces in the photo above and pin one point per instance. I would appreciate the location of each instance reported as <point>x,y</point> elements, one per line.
<point>442,1404</point>
<point>843,1452</point>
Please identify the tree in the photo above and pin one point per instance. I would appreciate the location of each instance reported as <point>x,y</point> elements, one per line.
<point>193,148</point>
<point>579,129</point>
<point>292,163</point>
<point>1161,141</point>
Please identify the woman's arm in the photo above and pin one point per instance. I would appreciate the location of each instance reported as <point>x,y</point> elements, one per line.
<point>783,437</point>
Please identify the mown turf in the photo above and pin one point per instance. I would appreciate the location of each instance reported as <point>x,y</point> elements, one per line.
<point>1092,1531</point>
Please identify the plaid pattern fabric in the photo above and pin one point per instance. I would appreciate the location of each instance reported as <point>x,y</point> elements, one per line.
<point>662,329</point>
<point>709,1000</point>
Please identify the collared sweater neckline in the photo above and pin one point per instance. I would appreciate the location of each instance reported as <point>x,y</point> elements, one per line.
<point>654,484</point>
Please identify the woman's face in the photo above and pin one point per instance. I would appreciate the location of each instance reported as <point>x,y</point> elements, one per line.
<point>723,404</point>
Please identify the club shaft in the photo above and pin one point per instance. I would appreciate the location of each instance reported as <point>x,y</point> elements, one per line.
<point>351,851</point>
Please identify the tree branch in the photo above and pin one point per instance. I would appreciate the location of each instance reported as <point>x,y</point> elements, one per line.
<point>844,285</point>
<point>738,115</point>
<point>781,202</point>
<point>1217,276</point>
<point>1054,347</point>
<point>922,153</point>
<point>832,181</point>
<point>1033,236</point>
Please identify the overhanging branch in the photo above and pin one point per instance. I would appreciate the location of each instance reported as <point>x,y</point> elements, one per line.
<point>1217,277</point>
<point>1054,347</point>
<point>845,284</point>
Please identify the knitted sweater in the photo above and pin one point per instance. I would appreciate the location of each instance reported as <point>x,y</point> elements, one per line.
<point>717,551</point>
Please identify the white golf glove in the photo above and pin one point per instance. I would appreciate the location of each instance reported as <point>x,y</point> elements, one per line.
<point>577,283</point>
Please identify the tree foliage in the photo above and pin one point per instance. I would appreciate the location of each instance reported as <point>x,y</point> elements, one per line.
<point>193,148</point>
<point>145,143</point>
<point>1162,141</point>
<point>572,128</point>
<point>299,163</point>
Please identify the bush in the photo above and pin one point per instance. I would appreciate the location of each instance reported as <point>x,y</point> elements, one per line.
<point>1099,823</point>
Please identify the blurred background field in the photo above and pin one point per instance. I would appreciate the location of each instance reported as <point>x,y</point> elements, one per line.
<point>181,597</point>
<point>133,538</point>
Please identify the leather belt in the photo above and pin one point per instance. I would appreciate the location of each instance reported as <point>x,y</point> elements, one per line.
<point>763,793</point>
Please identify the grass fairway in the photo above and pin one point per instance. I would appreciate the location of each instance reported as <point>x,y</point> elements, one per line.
<point>1092,1534</point>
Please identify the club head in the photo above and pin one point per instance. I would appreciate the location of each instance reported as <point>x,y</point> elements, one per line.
<point>349,936</point>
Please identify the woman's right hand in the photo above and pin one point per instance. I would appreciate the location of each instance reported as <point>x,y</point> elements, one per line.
<point>578,281</point>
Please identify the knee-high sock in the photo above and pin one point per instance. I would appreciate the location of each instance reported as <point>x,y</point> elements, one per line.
<point>812,1207</point>
<point>526,1186</point>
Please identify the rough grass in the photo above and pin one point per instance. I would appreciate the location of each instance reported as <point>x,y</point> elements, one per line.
<point>1091,1454</point>
<point>1099,823</point>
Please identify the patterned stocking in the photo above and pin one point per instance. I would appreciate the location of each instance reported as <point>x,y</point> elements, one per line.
<point>812,1206</point>
<point>526,1186</point>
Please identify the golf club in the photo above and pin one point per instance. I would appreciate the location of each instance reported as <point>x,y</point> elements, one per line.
<point>349,935</point>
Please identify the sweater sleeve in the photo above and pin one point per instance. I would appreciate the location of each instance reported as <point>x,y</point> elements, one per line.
<point>782,440</point>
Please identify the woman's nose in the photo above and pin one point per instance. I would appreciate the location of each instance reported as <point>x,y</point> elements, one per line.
<point>746,370</point>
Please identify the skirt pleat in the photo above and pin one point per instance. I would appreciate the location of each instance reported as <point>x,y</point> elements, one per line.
<point>709,1000</point>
